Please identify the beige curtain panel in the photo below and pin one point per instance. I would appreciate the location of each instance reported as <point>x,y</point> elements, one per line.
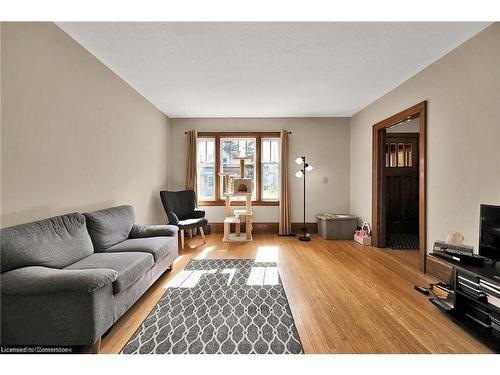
<point>285,223</point>
<point>191,160</point>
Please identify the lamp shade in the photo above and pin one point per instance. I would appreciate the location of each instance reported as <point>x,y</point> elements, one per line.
<point>309,168</point>
<point>299,174</point>
<point>299,160</point>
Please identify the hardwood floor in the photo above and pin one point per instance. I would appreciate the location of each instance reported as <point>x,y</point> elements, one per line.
<point>345,298</point>
<point>410,257</point>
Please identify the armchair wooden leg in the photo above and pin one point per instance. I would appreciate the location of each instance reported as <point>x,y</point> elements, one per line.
<point>191,233</point>
<point>97,346</point>
<point>202,232</point>
<point>182,239</point>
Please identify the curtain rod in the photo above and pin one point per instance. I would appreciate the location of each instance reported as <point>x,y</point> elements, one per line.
<point>221,131</point>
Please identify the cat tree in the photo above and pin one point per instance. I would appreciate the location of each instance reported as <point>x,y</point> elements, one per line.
<point>242,188</point>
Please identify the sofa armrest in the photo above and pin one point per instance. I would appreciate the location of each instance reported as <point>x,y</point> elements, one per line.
<point>39,280</point>
<point>141,231</point>
<point>198,214</point>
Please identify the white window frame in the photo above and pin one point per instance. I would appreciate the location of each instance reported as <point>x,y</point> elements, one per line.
<point>198,163</point>
<point>262,168</point>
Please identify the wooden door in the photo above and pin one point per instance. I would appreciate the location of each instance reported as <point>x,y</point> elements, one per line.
<point>400,187</point>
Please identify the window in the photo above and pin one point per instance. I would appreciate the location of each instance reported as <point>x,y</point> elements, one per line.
<point>270,169</point>
<point>206,169</point>
<point>230,149</point>
<point>218,153</point>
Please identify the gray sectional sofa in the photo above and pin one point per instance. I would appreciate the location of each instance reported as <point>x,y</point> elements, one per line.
<point>67,279</point>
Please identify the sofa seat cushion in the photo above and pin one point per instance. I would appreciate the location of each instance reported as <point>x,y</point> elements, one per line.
<point>158,247</point>
<point>192,223</point>
<point>129,266</point>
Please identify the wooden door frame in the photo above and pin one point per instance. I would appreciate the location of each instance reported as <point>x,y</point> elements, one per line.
<point>418,110</point>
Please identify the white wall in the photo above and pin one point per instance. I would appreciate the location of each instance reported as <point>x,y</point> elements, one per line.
<point>463,136</point>
<point>75,137</point>
<point>324,141</point>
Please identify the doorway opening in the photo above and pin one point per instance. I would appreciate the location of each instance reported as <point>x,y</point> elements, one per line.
<point>400,172</point>
<point>398,186</point>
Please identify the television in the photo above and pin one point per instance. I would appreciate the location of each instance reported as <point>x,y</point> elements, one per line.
<point>489,232</point>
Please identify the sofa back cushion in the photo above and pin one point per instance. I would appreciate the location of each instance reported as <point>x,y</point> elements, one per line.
<point>110,226</point>
<point>56,242</point>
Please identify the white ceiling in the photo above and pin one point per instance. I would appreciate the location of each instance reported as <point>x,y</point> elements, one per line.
<point>267,69</point>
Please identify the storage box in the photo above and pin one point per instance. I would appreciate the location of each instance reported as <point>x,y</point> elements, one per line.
<point>363,240</point>
<point>337,226</point>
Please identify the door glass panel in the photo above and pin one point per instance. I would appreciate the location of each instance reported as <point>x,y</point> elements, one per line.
<point>409,155</point>
<point>393,161</point>
<point>401,155</point>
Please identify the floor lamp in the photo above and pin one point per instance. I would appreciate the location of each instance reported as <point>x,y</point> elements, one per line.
<point>302,174</point>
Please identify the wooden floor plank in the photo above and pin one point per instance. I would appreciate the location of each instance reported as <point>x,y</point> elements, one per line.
<point>345,298</point>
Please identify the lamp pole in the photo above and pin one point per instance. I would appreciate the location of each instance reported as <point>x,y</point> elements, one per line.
<point>304,236</point>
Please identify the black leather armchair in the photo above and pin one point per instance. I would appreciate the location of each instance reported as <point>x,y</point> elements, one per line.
<point>180,207</point>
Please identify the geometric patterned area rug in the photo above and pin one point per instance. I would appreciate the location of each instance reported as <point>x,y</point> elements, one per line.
<point>220,306</point>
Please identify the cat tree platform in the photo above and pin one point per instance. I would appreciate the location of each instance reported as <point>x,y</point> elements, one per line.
<point>237,217</point>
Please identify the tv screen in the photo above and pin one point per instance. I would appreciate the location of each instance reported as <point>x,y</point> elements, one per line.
<point>489,232</point>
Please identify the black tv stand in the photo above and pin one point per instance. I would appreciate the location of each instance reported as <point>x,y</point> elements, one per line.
<point>469,310</point>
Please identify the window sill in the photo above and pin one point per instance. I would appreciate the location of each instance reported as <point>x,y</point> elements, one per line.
<point>237,203</point>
